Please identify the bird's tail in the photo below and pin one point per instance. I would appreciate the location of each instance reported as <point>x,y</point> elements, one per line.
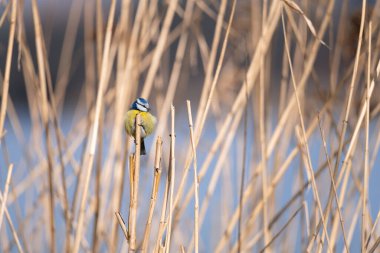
<point>142,149</point>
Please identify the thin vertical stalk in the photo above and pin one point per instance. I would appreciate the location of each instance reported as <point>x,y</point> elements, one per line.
<point>91,146</point>
<point>365,176</point>
<point>172,177</point>
<point>159,48</point>
<point>5,194</point>
<point>305,143</point>
<point>153,198</point>
<point>135,183</point>
<point>8,64</point>
<point>334,186</point>
<point>45,115</point>
<point>196,182</point>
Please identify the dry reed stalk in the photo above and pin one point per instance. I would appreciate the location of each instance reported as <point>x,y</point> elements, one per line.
<point>66,56</point>
<point>99,36</point>
<point>331,173</point>
<point>276,179</point>
<point>366,175</point>
<point>196,182</point>
<point>305,143</point>
<point>159,48</point>
<point>218,167</point>
<point>349,100</point>
<point>122,225</point>
<point>273,18</point>
<point>135,186</point>
<point>98,173</point>
<point>171,181</point>
<point>8,64</point>
<point>354,221</point>
<point>123,33</point>
<point>372,230</point>
<point>5,193</point>
<point>205,90</point>
<point>243,171</point>
<point>175,74</point>
<point>114,237</point>
<point>162,225</point>
<point>58,134</point>
<point>12,227</point>
<point>210,65</point>
<point>262,138</point>
<point>91,146</point>
<point>348,105</point>
<point>282,229</point>
<point>5,13</point>
<point>204,114</point>
<point>313,49</point>
<point>153,198</point>
<point>252,74</point>
<point>345,168</point>
<point>45,115</point>
<point>132,167</point>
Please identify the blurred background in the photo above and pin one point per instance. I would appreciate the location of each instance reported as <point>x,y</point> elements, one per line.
<point>276,121</point>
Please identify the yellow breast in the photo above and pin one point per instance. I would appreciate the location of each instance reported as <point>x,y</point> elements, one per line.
<point>148,122</point>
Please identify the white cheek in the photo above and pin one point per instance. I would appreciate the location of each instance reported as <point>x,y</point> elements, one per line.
<point>141,108</point>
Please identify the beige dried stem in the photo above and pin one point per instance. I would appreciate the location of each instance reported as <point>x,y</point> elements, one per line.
<point>171,181</point>
<point>122,225</point>
<point>365,176</point>
<point>159,48</point>
<point>206,87</point>
<point>347,161</point>
<point>45,115</point>
<point>162,225</point>
<point>153,198</point>
<point>12,227</point>
<point>5,194</point>
<point>91,146</point>
<point>196,182</point>
<point>8,64</point>
<point>135,186</point>
<point>334,185</point>
<point>176,70</point>
<point>207,106</point>
<point>310,25</point>
<point>305,143</point>
<point>281,230</point>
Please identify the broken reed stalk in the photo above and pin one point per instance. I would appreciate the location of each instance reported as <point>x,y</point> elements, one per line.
<point>5,193</point>
<point>135,187</point>
<point>196,182</point>
<point>171,181</point>
<point>153,198</point>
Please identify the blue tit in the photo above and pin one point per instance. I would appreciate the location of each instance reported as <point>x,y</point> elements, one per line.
<point>148,121</point>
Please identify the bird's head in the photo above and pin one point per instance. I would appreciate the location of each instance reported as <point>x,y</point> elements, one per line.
<point>141,104</point>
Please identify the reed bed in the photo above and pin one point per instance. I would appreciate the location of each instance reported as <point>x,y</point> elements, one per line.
<point>282,154</point>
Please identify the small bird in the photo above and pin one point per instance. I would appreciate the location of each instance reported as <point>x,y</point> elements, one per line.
<point>148,121</point>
